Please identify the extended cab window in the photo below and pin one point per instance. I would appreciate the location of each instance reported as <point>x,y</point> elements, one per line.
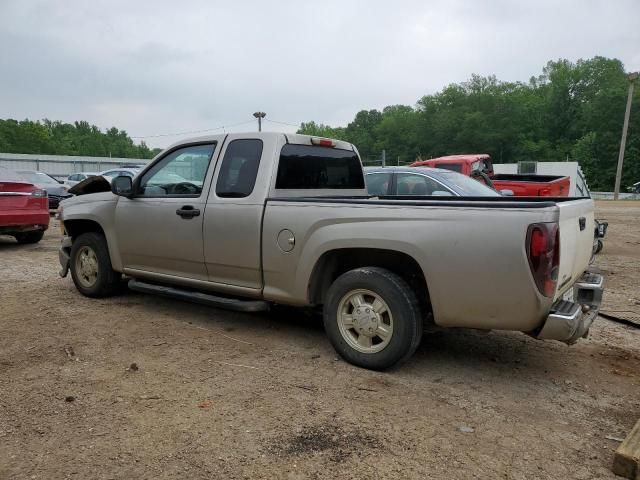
<point>180,173</point>
<point>316,167</point>
<point>239,168</point>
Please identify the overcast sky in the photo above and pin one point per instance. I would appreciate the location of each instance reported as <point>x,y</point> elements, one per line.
<point>160,67</point>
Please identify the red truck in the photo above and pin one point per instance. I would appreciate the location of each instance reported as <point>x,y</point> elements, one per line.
<point>24,208</point>
<point>480,167</point>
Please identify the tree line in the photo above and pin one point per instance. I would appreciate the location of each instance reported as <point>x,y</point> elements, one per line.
<point>58,138</point>
<point>571,111</point>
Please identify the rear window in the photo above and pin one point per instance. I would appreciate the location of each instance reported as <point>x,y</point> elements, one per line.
<point>7,175</point>
<point>316,167</point>
<point>38,177</point>
<point>466,186</point>
<point>454,167</point>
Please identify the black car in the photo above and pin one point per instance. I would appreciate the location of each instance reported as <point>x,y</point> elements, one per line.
<point>55,190</point>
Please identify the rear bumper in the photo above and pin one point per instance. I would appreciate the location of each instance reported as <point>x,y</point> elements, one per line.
<point>15,221</point>
<point>570,319</point>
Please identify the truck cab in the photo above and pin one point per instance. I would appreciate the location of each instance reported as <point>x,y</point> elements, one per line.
<point>464,164</point>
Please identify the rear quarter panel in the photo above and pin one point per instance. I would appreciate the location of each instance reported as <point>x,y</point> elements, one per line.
<point>473,259</point>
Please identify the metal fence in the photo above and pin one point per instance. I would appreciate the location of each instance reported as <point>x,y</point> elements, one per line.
<point>609,196</point>
<point>61,166</point>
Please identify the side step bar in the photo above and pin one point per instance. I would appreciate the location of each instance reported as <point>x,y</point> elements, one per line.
<point>199,297</point>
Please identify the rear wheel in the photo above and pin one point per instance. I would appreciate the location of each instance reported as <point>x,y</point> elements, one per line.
<point>90,266</point>
<point>29,237</point>
<point>372,318</point>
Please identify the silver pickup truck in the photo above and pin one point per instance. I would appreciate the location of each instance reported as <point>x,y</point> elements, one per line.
<point>245,221</point>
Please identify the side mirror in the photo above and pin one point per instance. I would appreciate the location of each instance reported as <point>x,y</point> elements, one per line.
<point>122,186</point>
<point>506,193</point>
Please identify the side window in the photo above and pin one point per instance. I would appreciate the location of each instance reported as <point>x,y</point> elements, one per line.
<point>239,168</point>
<point>74,177</point>
<point>378,183</point>
<point>412,184</point>
<point>181,173</point>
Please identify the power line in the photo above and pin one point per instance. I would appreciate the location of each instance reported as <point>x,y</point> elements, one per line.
<point>282,123</point>
<point>221,127</point>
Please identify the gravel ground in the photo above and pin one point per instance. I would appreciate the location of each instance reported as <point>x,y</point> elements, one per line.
<point>215,394</point>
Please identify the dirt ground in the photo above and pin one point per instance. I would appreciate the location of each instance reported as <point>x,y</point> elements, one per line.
<point>215,394</point>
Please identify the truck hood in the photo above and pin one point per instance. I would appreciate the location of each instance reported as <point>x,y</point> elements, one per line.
<point>95,184</point>
<point>89,198</point>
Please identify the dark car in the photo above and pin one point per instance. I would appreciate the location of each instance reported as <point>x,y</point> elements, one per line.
<point>423,181</point>
<point>55,190</point>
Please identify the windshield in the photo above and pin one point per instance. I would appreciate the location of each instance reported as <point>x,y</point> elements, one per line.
<point>466,186</point>
<point>38,177</point>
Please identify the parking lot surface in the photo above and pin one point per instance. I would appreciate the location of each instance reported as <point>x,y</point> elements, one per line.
<point>138,386</point>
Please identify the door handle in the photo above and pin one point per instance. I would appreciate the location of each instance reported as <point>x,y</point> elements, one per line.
<point>188,211</point>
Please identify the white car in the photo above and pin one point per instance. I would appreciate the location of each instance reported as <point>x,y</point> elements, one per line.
<point>76,178</point>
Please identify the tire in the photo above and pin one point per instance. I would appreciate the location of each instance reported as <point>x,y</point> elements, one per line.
<point>29,237</point>
<point>395,312</point>
<point>90,266</point>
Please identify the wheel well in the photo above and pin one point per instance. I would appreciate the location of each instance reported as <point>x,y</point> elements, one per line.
<point>78,227</point>
<point>336,262</point>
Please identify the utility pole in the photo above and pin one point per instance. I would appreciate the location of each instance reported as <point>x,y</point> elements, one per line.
<point>632,78</point>
<point>259,116</point>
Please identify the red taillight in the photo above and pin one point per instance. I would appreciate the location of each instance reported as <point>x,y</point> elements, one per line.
<point>323,142</point>
<point>543,250</point>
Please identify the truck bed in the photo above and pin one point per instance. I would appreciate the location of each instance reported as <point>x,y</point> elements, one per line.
<point>472,250</point>
<point>532,185</point>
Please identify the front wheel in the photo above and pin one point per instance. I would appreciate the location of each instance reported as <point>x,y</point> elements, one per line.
<point>372,318</point>
<point>90,266</point>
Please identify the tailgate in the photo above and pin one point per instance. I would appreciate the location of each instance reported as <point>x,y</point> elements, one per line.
<point>576,241</point>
